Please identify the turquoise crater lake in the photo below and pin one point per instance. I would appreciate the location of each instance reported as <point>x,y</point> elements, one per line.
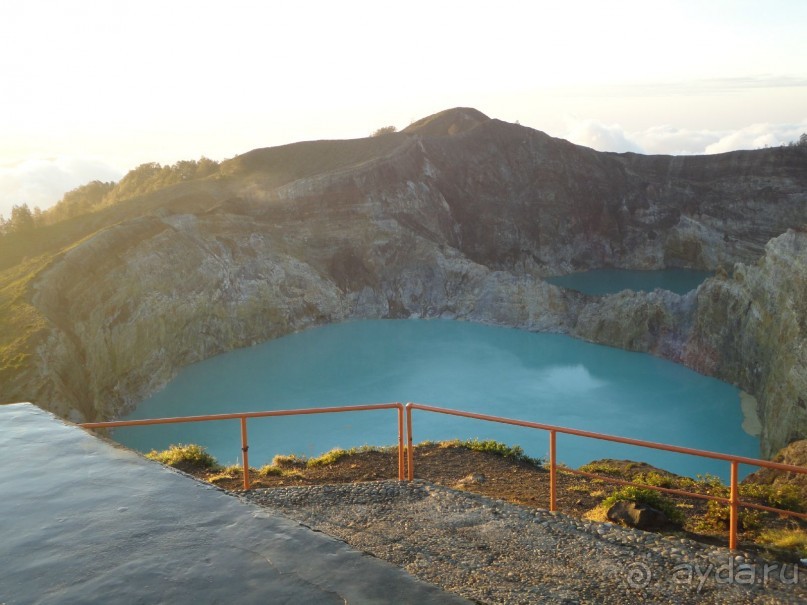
<point>547,378</point>
<point>599,282</point>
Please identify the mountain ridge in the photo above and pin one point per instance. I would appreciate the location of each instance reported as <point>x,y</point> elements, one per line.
<point>461,224</point>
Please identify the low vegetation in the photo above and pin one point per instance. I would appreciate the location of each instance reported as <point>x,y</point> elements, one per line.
<point>602,468</point>
<point>657,500</point>
<point>20,322</point>
<point>95,195</point>
<point>337,454</point>
<point>187,458</point>
<point>793,539</point>
<point>490,446</point>
<point>505,472</point>
<point>218,474</point>
<point>384,130</point>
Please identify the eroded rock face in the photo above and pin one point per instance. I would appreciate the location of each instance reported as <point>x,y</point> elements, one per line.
<point>749,329</point>
<point>794,454</point>
<point>460,224</point>
<point>752,330</point>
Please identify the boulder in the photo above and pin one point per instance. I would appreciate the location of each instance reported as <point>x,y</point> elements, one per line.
<point>638,515</point>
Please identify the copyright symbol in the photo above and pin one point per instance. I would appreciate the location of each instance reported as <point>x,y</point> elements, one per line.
<point>638,575</point>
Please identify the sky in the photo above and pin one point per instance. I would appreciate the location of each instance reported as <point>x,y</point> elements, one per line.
<point>91,89</point>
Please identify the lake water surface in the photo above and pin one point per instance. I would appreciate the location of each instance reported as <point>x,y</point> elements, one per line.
<point>546,378</point>
<point>610,281</point>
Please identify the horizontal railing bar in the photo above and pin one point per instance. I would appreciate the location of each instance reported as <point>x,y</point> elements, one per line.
<point>733,502</point>
<point>668,490</point>
<point>613,438</point>
<point>770,509</point>
<point>684,493</point>
<point>240,415</point>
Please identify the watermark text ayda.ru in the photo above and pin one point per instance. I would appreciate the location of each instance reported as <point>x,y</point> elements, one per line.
<point>639,575</point>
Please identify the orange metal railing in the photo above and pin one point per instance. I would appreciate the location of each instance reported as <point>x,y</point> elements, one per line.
<point>243,416</point>
<point>406,469</point>
<point>733,500</point>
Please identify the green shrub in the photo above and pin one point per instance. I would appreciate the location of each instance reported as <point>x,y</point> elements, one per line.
<point>288,460</point>
<point>234,471</point>
<point>380,132</point>
<point>338,453</point>
<point>786,497</point>
<point>514,452</point>
<point>656,479</point>
<point>327,458</point>
<point>712,485</point>
<point>650,497</point>
<point>718,517</point>
<point>602,468</point>
<point>269,470</point>
<point>185,457</point>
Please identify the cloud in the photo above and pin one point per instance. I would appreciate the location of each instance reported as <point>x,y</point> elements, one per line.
<point>757,136</point>
<point>602,137</point>
<point>670,140</point>
<point>43,181</point>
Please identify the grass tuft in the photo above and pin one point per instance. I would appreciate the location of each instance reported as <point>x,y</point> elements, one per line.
<point>185,457</point>
<point>327,458</point>
<point>270,470</point>
<point>234,471</point>
<point>514,452</point>
<point>655,479</point>
<point>792,539</point>
<point>602,468</point>
<point>338,453</point>
<point>290,460</point>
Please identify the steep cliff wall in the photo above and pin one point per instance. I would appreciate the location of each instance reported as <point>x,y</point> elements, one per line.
<point>751,330</point>
<point>176,290</point>
<point>459,216</point>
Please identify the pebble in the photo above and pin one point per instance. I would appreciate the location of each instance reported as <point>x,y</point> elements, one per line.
<point>494,552</point>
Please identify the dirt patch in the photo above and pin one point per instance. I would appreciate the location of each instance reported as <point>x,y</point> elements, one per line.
<point>512,480</point>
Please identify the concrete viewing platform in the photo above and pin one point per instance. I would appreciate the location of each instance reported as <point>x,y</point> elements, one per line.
<point>85,521</point>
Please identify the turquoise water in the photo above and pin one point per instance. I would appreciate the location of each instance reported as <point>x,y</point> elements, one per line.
<point>546,378</point>
<point>609,281</point>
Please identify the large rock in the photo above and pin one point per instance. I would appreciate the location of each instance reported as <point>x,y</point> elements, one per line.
<point>638,515</point>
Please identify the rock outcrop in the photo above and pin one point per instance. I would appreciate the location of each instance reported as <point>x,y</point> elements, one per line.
<point>458,216</point>
<point>794,454</point>
<point>749,329</point>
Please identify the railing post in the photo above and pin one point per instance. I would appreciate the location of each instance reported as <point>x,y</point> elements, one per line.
<point>245,451</point>
<point>410,455</point>
<point>734,507</point>
<point>401,473</point>
<point>552,471</point>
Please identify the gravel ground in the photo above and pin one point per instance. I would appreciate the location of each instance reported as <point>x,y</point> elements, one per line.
<point>494,552</point>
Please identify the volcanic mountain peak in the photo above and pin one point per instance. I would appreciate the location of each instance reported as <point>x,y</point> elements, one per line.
<point>448,122</point>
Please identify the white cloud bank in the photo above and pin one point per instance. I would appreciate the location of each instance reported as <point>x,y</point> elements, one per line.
<point>680,141</point>
<point>43,181</point>
<point>602,137</point>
